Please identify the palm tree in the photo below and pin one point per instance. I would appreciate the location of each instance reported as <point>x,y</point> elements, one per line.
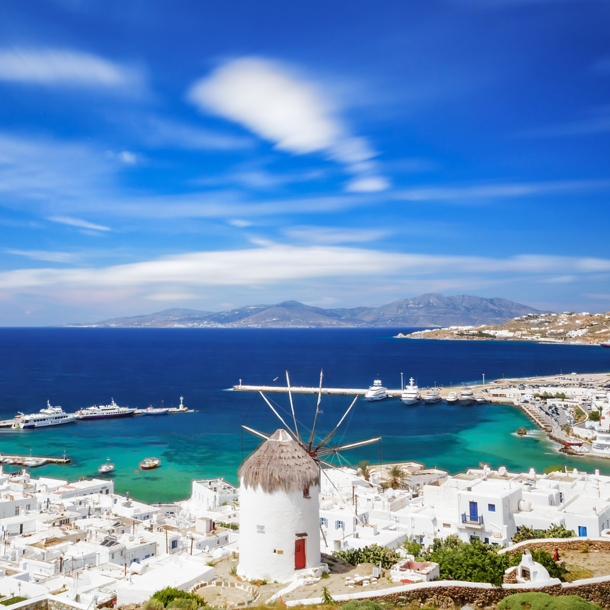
<point>396,478</point>
<point>364,469</point>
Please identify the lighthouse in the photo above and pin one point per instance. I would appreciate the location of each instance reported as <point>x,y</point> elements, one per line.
<point>279,511</point>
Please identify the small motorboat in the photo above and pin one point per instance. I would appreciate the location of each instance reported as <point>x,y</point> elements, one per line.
<point>480,400</point>
<point>106,468</point>
<point>150,463</point>
<point>452,398</point>
<point>152,411</point>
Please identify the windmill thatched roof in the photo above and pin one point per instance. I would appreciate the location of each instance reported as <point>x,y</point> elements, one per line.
<point>280,463</point>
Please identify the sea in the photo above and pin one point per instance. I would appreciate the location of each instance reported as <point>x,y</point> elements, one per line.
<point>79,367</point>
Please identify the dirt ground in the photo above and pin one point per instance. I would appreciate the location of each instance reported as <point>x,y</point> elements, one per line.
<point>595,562</point>
<point>335,583</point>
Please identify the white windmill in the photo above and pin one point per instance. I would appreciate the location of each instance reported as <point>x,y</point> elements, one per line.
<point>279,505</point>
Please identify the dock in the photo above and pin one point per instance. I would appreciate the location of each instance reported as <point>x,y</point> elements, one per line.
<point>33,460</point>
<point>274,389</point>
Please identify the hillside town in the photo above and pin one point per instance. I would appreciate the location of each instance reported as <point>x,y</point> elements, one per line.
<point>568,328</point>
<point>283,531</point>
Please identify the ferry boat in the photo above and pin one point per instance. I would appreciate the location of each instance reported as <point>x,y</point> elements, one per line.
<point>466,396</point>
<point>433,395</point>
<point>150,463</point>
<point>49,416</point>
<point>411,396</point>
<point>452,398</point>
<point>376,391</point>
<point>104,412</point>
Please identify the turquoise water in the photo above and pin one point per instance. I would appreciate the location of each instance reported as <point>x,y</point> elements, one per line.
<point>80,367</point>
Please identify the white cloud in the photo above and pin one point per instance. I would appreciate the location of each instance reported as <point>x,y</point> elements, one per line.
<point>63,67</point>
<point>271,264</point>
<point>241,224</point>
<point>44,255</point>
<point>77,222</point>
<point>333,235</point>
<point>128,158</point>
<point>279,106</point>
<point>370,184</point>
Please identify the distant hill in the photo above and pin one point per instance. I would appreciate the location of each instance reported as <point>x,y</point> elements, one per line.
<point>425,310</point>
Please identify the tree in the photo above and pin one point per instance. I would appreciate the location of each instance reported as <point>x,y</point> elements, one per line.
<point>364,469</point>
<point>395,479</point>
<point>594,416</point>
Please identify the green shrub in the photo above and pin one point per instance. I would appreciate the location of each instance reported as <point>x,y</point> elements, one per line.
<point>169,594</point>
<point>184,604</point>
<point>153,604</point>
<point>555,531</point>
<point>543,601</point>
<point>472,562</point>
<point>13,600</point>
<point>374,554</point>
<point>361,604</point>
<point>413,548</point>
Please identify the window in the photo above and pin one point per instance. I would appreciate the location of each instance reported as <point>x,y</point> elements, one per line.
<point>16,510</point>
<point>175,544</point>
<point>339,525</point>
<point>324,521</point>
<point>582,530</point>
<point>306,493</point>
<point>260,529</point>
<point>486,540</point>
<point>491,508</point>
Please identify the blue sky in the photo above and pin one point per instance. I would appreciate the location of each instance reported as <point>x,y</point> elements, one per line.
<point>211,155</point>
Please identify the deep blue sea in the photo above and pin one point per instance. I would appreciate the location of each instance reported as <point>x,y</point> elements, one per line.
<point>76,368</point>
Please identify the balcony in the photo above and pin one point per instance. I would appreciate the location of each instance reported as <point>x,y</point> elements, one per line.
<point>475,521</point>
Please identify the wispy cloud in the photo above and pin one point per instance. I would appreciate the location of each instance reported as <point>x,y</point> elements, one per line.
<point>49,256</point>
<point>271,264</point>
<point>163,132</point>
<point>59,67</point>
<point>278,105</point>
<point>333,235</point>
<point>77,222</point>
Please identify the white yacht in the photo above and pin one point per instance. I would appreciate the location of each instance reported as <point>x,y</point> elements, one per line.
<point>452,398</point>
<point>104,412</point>
<point>410,395</point>
<point>466,396</point>
<point>433,395</point>
<point>376,391</point>
<point>480,399</point>
<point>49,416</point>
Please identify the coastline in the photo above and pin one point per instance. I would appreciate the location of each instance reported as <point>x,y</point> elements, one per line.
<point>511,391</point>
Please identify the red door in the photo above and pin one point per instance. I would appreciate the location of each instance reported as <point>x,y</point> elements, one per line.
<point>299,554</point>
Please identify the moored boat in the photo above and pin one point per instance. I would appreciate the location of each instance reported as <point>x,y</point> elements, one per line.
<point>49,416</point>
<point>152,411</point>
<point>110,411</point>
<point>106,468</point>
<point>411,395</point>
<point>452,398</point>
<point>150,463</point>
<point>480,400</point>
<point>432,396</point>
<point>376,391</point>
<point>466,396</point>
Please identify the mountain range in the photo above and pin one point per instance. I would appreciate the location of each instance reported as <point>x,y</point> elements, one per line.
<point>425,310</point>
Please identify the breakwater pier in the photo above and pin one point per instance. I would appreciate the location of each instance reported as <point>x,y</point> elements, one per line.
<point>271,389</point>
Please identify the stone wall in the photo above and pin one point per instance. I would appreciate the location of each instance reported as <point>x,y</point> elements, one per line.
<point>447,595</point>
<point>567,544</point>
